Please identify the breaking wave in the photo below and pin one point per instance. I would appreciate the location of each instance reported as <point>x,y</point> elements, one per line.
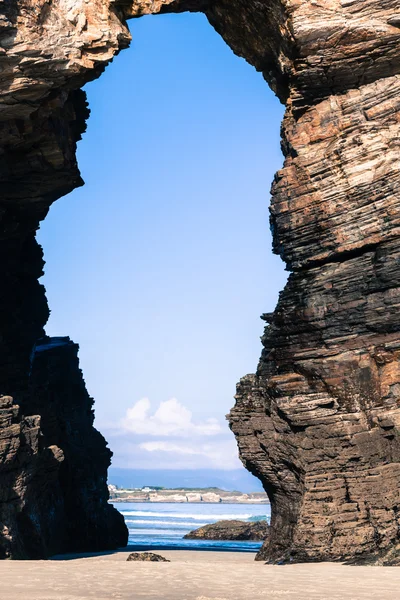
<point>165,525</point>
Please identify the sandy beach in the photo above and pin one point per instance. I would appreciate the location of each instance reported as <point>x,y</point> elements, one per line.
<point>192,575</point>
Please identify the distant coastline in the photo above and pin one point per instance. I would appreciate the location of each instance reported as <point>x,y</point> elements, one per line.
<point>184,495</point>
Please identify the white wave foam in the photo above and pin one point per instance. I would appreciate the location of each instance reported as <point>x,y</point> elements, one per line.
<point>196,517</point>
<point>157,522</point>
<point>154,532</point>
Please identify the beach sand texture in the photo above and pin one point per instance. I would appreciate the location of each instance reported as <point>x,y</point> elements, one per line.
<point>192,576</point>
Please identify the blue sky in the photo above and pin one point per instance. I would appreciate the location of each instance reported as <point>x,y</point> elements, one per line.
<point>160,266</point>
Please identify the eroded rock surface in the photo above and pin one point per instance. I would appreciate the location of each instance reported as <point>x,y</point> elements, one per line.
<point>29,485</point>
<point>318,423</point>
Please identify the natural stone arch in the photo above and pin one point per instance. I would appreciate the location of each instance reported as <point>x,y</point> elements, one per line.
<point>318,423</point>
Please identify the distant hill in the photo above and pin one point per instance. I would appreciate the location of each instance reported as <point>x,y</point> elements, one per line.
<point>237,480</point>
<point>179,495</point>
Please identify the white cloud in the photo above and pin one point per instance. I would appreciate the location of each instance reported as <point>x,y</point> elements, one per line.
<point>167,447</point>
<point>170,437</point>
<point>171,419</point>
<point>177,454</point>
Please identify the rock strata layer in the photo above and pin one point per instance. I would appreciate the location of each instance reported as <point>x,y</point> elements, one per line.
<point>318,423</point>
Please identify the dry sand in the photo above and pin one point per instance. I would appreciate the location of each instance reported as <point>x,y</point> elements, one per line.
<point>192,576</point>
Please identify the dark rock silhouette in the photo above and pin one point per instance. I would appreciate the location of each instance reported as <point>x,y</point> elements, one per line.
<point>319,421</point>
<point>59,394</point>
<point>53,468</point>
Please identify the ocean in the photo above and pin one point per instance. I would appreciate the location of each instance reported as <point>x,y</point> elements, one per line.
<point>162,525</point>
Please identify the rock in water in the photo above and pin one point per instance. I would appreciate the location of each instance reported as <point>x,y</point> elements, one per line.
<point>318,422</point>
<point>147,557</point>
<point>231,530</point>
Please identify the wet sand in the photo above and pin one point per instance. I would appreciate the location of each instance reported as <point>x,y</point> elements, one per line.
<point>192,575</point>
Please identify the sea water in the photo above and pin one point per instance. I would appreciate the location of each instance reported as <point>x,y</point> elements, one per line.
<point>163,524</point>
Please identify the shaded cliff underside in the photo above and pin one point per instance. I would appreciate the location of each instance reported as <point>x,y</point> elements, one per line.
<point>318,423</point>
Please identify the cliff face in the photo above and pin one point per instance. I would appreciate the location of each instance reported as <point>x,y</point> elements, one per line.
<point>58,393</point>
<point>29,491</point>
<point>318,423</point>
<point>53,467</point>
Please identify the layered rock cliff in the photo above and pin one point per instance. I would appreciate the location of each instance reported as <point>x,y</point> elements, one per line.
<point>318,423</point>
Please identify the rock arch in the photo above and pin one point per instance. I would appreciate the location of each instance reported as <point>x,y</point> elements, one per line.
<point>318,423</point>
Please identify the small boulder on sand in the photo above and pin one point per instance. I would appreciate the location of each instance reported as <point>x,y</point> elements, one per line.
<point>147,557</point>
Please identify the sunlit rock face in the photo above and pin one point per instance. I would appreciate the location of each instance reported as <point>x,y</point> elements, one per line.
<point>318,422</point>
